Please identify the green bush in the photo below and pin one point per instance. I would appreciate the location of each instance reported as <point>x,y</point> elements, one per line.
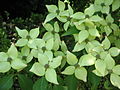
<point>78,51</point>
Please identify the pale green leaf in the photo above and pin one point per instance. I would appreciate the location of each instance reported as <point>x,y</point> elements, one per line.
<point>4,67</point>
<point>110,63</point>
<point>18,64</point>
<point>87,60</point>
<point>78,15</point>
<point>106,43</point>
<point>3,56</point>
<point>81,73</point>
<point>79,47</point>
<point>49,54</point>
<point>108,2</point>
<point>21,42</point>
<point>94,32</point>
<point>100,65</point>
<point>40,43</point>
<point>115,5</point>
<point>83,35</point>
<point>109,19</point>
<point>49,44</point>
<point>114,51</point>
<point>115,80</point>
<point>29,58</point>
<point>71,58</point>
<point>12,51</point>
<point>116,69</point>
<point>105,9</point>
<point>52,8</point>
<point>55,62</point>
<point>108,30</point>
<point>51,76</point>
<point>22,33</point>
<point>69,70</point>
<point>61,5</point>
<point>43,59</point>
<point>66,25</point>
<point>48,27</point>
<point>63,47</point>
<point>31,44</point>
<point>56,27</point>
<point>70,9</point>
<point>49,17</point>
<point>62,19</point>
<point>25,51</point>
<point>90,10</point>
<point>38,69</point>
<point>97,73</point>
<point>34,33</point>
<point>96,18</point>
<point>47,36</point>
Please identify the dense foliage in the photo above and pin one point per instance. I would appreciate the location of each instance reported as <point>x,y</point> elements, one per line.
<point>70,50</point>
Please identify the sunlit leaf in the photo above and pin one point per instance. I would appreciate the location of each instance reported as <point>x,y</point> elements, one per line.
<point>71,58</point>
<point>4,67</point>
<point>51,8</point>
<point>81,73</point>
<point>51,76</point>
<point>38,69</point>
<point>116,69</point>
<point>34,33</point>
<point>69,70</point>
<point>114,51</point>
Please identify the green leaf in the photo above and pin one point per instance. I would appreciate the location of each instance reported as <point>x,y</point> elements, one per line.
<point>94,32</point>
<point>18,64</point>
<point>21,42</point>
<point>109,19</point>
<point>90,10</point>
<point>48,27</point>
<point>49,44</point>
<point>83,35</point>
<point>31,44</point>
<point>96,18</point>
<point>49,54</point>
<point>71,58</point>
<point>61,5</point>
<point>81,73</point>
<point>56,27</point>
<point>71,31</point>
<point>38,69</point>
<point>34,33</point>
<point>4,67</point>
<point>110,63</point>
<point>25,82</point>
<point>69,70</point>
<point>40,84</point>
<point>115,80</point>
<point>22,33</point>
<point>43,59</point>
<point>56,62</point>
<point>12,51</point>
<point>87,60</point>
<point>52,8</point>
<point>3,56</point>
<point>105,9</point>
<point>116,69</point>
<point>114,51</point>
<point>108,2</point>
<point>47,36</point>
<point>49,17</point>
<point>78,15</point>
<point>64,47</point>
<point>6,82</point>
<point>51,76</point>
<point>66,25</point>
<point>115,5</point>
<point>71,82</point>
<point>96,72</point>
<point>25,51</point>
<point>70,10</point>
<point>106,43</point>
<point>79,47</point>
<point>100,65</point>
